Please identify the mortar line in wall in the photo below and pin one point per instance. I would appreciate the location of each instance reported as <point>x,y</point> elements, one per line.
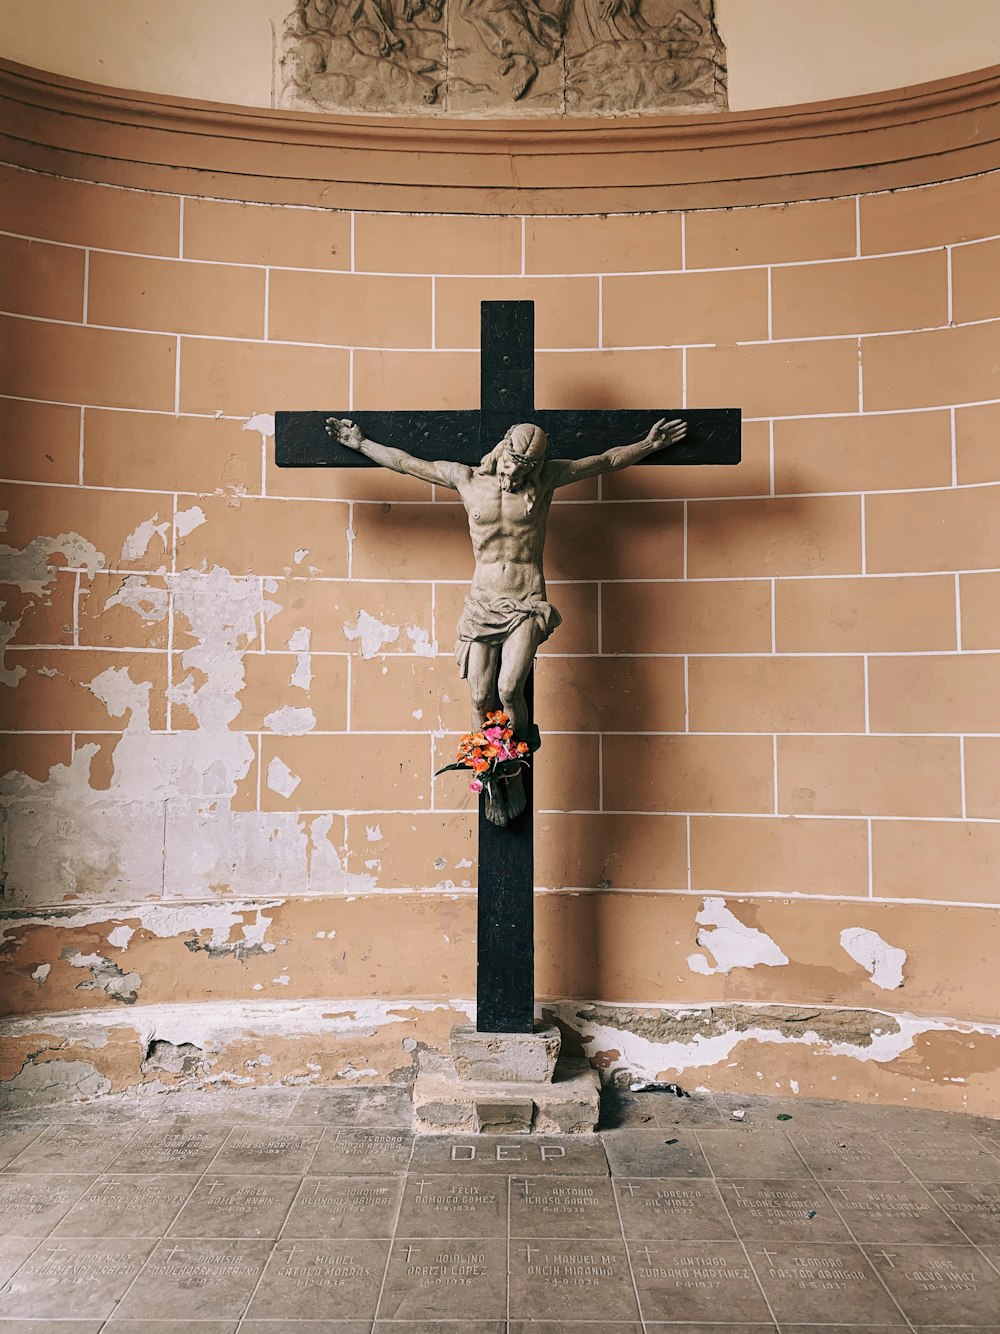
<point>562,351</point>
<point>868,730</point>
<point>79,479</point>
<point>76,609</point>
<point>857,227</point>
<point>958,614</point>
<point>961,764</point>
<point>177,376</point>
<point>778,417</point>
<point>350,379</point>
<point>951,302</point>
<point>600,618</point>
<point>261,617</point>
<point>524,247</point>
<point>687,695</point>
<point>770,306</point>
<point>180,228</point>
<point>774,768</point>
<point>871,860</point>
<point>684,540</point>
<point>684,377</point>
<point>683,241</point>
<point>267,305</point>
<point>350,535</point>
<point>415,732</point>
<point>600,771</point>
<point>353,270</point>
<point>86,287</point>
<point>861,380</point>
<point>433,311</point>
<point>492,277</point>
<point>600,311</point>
<point>625,500</point>
<point>687,846</point>
<point>774,616</point>
<point>954,448</point>
<point>115,906</point>
<point>770,454</point>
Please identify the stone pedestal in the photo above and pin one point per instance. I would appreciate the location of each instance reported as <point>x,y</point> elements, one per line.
<point>505,1084</point>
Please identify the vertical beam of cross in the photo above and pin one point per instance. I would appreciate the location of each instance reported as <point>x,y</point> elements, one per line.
<point>505,966</point>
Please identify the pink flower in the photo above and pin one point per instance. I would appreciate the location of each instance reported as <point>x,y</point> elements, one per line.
<point>494,734</point>
<point>476,785</point>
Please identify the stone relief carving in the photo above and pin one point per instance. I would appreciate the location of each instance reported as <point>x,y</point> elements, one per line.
<point>503,57</point>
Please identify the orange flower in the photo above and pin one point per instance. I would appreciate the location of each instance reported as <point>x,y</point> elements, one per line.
<point>508,732</point>
<point>490,752</point>
<point>480,766</point>
<point>522,748</point>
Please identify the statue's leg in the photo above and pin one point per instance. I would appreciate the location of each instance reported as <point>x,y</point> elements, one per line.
<point>516,657</point>
<point>484,660</point>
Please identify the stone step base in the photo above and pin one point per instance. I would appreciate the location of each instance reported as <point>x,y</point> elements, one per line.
<point>445,1104</point>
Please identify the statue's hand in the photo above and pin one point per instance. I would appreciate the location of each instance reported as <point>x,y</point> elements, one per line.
<point>665,433</point>
<point>345,432</point>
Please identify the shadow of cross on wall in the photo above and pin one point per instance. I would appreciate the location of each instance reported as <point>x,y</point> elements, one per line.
<point>505,969</point>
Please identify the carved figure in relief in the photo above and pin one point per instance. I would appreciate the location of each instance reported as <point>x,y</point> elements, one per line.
<point>522,34</point>
<point>507,614</point>
<point>362,55</point>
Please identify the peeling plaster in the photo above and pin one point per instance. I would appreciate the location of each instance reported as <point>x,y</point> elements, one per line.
<point>105,976</point>
<point>655,1040</point>
<point>135,594</point>
<point>883,962</point>
<point>186,521</point>
<point>41,973</point>
<point>262,422</point>
<point>119,694</point>
<point>422,646</point>
<point>732,943</point>
<point>290,721</point>
<point>138,541</point>
<point>280,778</point>
<point>121,936</point>
<point>372,633</point>
<point>31,571</point>
<point>299,643</point>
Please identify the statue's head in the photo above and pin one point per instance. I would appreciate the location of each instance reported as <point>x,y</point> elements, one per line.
<point>518,457</point>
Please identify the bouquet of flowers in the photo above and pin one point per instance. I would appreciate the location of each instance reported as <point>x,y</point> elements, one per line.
<point>493,753</point>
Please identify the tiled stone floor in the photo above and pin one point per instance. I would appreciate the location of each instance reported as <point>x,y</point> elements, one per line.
<point>276,1211</point>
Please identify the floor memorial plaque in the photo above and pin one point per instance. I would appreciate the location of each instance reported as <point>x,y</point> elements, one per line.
<point>505,461</point>
<point>344,1207</point>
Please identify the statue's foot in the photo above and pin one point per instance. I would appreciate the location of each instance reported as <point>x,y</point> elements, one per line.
<point>521,72</point>
<point>495,805</point>
<point>516,799</point>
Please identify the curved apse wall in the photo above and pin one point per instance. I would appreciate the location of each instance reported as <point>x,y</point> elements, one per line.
<point>768,835</point>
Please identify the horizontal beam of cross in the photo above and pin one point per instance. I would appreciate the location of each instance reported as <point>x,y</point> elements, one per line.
<point>302,442</point>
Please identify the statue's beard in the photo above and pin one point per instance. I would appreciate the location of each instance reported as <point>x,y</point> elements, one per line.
<point>507,482</point>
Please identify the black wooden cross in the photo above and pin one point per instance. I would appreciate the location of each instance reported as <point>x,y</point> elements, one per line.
<point>505,982</point>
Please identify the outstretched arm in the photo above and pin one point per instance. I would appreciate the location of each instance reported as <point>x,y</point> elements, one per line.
<point>660,436</point>
<point>441,471</point>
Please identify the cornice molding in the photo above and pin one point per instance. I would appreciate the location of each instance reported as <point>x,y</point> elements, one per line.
<point>910,136</point>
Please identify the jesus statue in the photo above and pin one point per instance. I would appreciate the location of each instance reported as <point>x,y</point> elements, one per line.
<point>507,613</point>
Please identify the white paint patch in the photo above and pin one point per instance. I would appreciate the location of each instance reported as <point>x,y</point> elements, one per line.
<point>291,721</point>
<point>30,570</point>
<point>731,942</point>
<point>280,778</point>
<point>418,714</point>
<point>121,936</point>
<point>186,521</point>
<point>422,645</point>
<point>373,832</point>
<point>883,962</point>
<point>41,973</point>
<point>138,541</point>
<point>281,980</point>
<point>299,643</point>
<point>120,695</point>
<point>300,554</point>
<point>262,422</point>
<point>649,1059</point>
<point>136,594</point>
<point>793,1084</point>
<point>79,960</point>
<point>372,633</point>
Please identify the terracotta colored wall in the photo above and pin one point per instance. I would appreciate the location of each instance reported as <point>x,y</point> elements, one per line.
<point>776,685</point>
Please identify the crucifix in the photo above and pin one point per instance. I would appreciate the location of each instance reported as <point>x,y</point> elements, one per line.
<point>505,460</point>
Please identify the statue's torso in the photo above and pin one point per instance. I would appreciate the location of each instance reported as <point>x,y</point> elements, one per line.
<point>508,535</point>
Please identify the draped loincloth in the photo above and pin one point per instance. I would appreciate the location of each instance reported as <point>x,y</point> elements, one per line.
<point>492,620</point>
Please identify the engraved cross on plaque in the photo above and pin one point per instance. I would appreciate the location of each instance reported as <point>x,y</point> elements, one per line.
<point>505,973</point>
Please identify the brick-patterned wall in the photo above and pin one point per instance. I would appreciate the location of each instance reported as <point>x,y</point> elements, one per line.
<point>778,683</point>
